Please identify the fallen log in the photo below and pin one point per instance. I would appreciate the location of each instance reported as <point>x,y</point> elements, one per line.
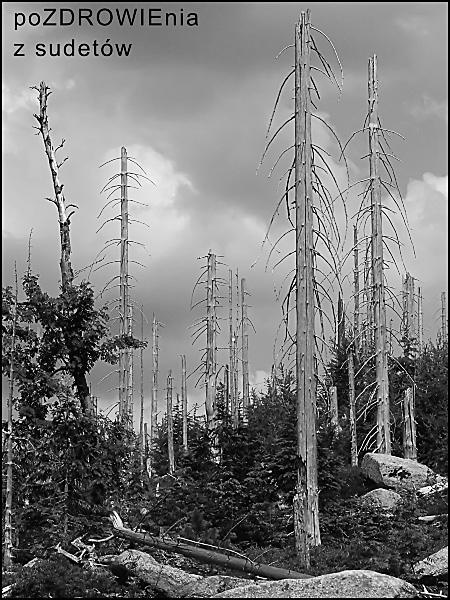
<point>207,556</point>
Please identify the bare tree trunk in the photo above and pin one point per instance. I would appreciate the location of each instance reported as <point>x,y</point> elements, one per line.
<point>170,450</point>
<point>67,274</point>
<point>443,319</point>
<point>211,346</point>
<point>409,425</point>
<point>124,371</point>
<point>244,334</point>
<point>334,411</point>
<point>379,306</point>
<point>340,322</point>
<point>306,514</point>
<point>7,555</point>
<point>420,318</point>
<point>232,348</point>
<point>141,421</point>
<point>130,352</point>
<point>236,356</point>
<point>184,411</point>
<point>356,290</point>
<point>352,410</point>
<point>155,357</point>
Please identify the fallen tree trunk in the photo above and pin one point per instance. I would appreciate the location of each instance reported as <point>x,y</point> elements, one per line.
<point>208,556</point>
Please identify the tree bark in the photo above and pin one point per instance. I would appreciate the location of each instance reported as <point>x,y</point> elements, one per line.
<point>379,306</point>
<point>306,515</point>
<point>208,556</point>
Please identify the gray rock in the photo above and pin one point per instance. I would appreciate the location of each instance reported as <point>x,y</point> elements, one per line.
<point>435,565</point>
<point>381,498</point>
<point>345,584</point>
<point>397,473</point>
<point>208,586</point>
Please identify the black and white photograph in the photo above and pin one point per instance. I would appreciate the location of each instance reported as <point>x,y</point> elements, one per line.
<point>224,315</point>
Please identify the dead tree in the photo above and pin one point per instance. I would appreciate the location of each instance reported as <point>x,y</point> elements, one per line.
<point>356,339</point>
<point>67,274</point>
<point>208,325</point>
<point>232,377</point>
<point>184,411</point>
<point>443,331</point>
<point>420,318</point>
<point>408,325</point>
<point>376,289</point>
<point>8,542</point>
<point>155,370</point>
<point>315,229</point>
<point>379,304</point>
<point>124,302</point>
<point>244,336</point>
<point>170,449</point>
<point>141,420</point>
<point>409,425</point>
<point>352,410</point>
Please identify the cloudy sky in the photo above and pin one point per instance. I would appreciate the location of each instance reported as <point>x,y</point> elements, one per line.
<point>192,104</point>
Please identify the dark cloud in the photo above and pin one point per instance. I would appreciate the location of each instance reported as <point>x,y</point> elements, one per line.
<point>194,103</point>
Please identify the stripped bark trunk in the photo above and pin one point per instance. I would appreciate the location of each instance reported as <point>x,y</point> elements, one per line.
<point>141,421</point>
<point>67,275</point>
<point>208,556</point>
<point>356,341</point>
<point>420,318</point>
<point>170,449</point>
<point>306,516</point>
<point>211,348</point>
<point>236,356</point>
<point>7,555</point>
<point>379,306</point>
<point>334,411</point>
<point>232,352</point>
<point>184,404</point>
<point>352,410</point>
<point>409,425</point>
<point>124,372</point>
<point>244,334</point>
<point>155,368</point>
<point>443,319</point>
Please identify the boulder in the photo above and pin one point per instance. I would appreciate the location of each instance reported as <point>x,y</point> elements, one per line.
<point>208,586</point>
<point>433,566</point>
<point>397,473</point>
<point>383,499</point>
<point>345,584</point>
<point>168,580</point>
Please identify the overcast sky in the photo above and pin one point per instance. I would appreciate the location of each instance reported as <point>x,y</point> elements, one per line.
<point>192,104</point>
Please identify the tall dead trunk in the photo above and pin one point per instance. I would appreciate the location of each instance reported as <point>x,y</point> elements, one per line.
<point>170,449</point>
<point>184,412</point>
<point>141,420</point>
<point>232,352</point>
<point>352,410</point>
<point>356,341</point>
<point>334,411</point>
<point>379,306</point>
<point>67,274</point>
<point>420,318</point>
<point>306,513</point>
<point>7,555</point>
<point>244,334</point>
<point>211,346</point>
<point>409,425</point>
<point>124,356</point>
<point>443,319</point>
<point>155,369</point>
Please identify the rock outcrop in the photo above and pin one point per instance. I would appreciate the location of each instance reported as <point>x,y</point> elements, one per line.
<point>397,473</point>
<point>384,499</point>
<point>434,566</point>
<point>345,584</point>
